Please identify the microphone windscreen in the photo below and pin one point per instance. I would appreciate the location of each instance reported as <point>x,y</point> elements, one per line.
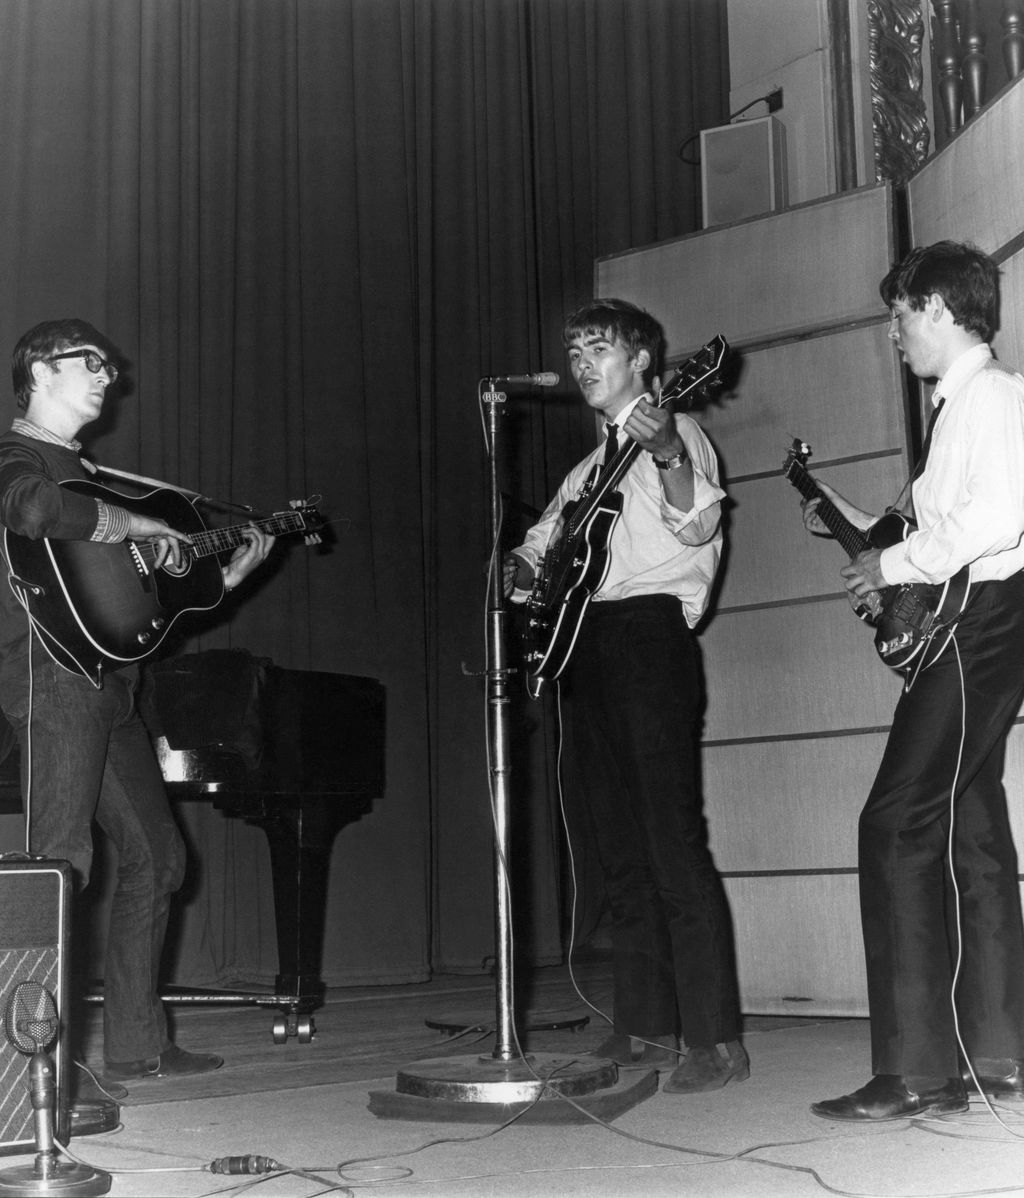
<point>31,1020</point>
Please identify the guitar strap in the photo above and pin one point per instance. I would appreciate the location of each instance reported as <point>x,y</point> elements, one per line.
<point>142,480</point>
<point>127,476</point>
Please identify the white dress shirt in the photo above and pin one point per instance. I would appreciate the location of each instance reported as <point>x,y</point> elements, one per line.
<point>655,549</point>
<point>969,500</point>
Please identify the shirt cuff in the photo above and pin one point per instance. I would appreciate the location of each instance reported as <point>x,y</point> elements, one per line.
<point>894,565</point>
<point>112,523</point>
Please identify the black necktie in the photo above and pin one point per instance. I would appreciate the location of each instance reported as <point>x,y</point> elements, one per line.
<point>928,438</point>
<point>611,444</point>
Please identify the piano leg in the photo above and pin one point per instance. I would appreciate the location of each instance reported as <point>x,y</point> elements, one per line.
<point>300,831</point>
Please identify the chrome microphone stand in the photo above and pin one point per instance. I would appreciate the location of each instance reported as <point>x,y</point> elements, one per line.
<point>506,1082</point>
<point>506,1040</point>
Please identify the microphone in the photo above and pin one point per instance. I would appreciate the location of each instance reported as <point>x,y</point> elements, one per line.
<point>31,1023</point>
<point>547,378</point>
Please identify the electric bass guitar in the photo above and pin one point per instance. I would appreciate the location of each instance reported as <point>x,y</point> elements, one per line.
<point>96,605</point>
<point>913,621</point>
<point>575,564</point>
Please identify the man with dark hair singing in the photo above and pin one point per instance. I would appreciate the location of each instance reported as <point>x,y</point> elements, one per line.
<point>84,751</point>
<point>940,905</point>
<point>634,692</point>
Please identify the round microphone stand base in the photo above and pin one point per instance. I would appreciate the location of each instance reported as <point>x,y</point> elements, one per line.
<point>51,1175</point>
<point>541,1087</point>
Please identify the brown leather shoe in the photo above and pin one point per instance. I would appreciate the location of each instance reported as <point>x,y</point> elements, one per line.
<point>889,1096</point>
<point>709,1069</point>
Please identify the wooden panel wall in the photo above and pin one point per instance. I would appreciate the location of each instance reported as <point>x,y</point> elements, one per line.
<point>798,703</point>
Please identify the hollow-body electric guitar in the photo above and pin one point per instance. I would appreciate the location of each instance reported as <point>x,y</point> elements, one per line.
<point>575,564</point>
<point>97,605</point>
<point>913,621</point>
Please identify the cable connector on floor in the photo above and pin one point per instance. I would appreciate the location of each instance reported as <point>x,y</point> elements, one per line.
<point>244,1164</point>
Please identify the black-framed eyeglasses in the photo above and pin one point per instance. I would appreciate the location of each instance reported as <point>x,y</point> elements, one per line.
<point>94,362</point>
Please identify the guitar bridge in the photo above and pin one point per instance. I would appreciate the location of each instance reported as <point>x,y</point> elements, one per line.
<point>136,556</point>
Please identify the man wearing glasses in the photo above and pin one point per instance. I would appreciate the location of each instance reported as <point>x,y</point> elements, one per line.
<point>85,753</point>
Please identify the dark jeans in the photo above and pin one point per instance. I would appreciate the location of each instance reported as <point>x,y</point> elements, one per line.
<point>907,902</point>
<point>86,755</point>
<point>634,693</point>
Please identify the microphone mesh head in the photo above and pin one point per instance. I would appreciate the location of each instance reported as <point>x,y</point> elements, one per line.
<point>31,1021</point>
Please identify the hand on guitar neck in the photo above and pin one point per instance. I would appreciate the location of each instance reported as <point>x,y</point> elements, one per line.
<point>863,576</point>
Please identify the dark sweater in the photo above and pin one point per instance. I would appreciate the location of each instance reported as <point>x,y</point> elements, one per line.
<point>33,505</point>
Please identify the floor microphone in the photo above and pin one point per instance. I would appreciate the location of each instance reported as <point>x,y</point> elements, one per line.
<point>31,1024</point>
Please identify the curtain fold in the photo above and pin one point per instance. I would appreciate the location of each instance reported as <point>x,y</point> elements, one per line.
<point>311,226</point>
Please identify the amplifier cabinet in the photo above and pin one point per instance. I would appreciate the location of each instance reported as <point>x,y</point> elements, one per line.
<point>35,906</point>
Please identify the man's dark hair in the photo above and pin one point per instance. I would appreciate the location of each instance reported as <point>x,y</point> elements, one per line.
<point>621,320</point>
<point>966,278</point>
<point>42,342</point>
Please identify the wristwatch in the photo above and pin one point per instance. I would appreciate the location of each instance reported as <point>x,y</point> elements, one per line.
<point>670,463</point>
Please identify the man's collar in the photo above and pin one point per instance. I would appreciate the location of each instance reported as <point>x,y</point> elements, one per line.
<point>29,428</point>
<point>623,414</point>
<point>962,368</point>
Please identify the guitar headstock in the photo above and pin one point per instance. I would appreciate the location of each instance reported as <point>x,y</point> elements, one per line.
<point>309,520</point>
<point>796,457</point>
<point>699,373</point>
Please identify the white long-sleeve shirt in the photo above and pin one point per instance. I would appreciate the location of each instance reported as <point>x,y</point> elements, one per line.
<point>654,548</point>
<point>969,500</point>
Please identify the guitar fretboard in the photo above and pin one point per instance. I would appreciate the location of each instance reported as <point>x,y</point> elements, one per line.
<point>848,535</point>
<point>217,540</point>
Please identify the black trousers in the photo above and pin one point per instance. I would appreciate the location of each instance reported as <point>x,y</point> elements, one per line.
<point>634,696</point>
<point>946,727</point>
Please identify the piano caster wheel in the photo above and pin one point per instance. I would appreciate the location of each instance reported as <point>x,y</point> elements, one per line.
<point>303,1028</point>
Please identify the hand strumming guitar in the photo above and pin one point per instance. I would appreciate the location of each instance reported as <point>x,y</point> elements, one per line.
<point>166,539</point>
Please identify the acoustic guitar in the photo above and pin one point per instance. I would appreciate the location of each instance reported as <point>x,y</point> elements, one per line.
<point>97,605</point>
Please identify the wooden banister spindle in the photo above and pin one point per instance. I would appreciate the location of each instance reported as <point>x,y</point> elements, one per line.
<point>947,59</point>
<point>1012,21</point>
<point>974,66</point>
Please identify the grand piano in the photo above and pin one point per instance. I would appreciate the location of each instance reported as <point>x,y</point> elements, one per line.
<point>298,753</point>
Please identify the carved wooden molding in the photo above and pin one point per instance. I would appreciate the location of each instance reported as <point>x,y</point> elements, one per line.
<point>898,111</point>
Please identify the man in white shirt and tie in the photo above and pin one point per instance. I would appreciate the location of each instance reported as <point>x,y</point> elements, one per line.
<point>633,691</point>
<point>943,761</point>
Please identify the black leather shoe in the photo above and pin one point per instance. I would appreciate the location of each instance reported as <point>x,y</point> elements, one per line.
<point>172,1062</point>
<point>1000,1078</point>
<point>888,1096</point>
<point>93,1118</point>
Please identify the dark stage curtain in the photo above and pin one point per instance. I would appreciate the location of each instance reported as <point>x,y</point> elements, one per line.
<point>311,226</point>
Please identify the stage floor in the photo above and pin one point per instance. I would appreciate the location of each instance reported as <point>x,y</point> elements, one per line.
<point>306,1106</point>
